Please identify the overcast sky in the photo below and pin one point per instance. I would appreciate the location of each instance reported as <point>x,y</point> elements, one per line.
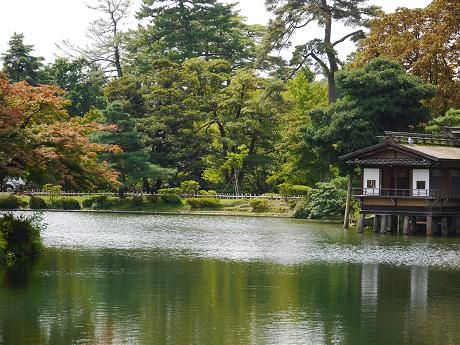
<point>45,22</point>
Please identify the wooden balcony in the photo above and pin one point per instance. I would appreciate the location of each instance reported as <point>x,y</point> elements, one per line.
<point>405,193</point>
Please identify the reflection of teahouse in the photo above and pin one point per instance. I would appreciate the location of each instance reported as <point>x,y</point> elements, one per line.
<point>412,181</point>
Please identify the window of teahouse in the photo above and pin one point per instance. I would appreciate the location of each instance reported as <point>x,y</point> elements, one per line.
<point>371,183</point>
<point>421,184</point>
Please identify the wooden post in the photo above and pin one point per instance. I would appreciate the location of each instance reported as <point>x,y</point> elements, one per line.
<point>444,226</point>
<point>389,224</point>
<point>346,220</point>
<point>429,225</point>
<point>413,225</point>
<point>406,225</point>
<point>375,227</point>
<point>383,224</point>
<point>362,223</point>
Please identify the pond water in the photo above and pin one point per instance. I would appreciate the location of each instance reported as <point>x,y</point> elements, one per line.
<point>180,280</point>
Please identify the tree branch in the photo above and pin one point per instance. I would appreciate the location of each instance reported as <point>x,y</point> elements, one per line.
<point>347,36</point>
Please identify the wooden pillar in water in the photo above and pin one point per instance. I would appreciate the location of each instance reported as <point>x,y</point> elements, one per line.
<point>362,223</point>
<point>406,225</point>
<point>429,225</point>
<point>383,224</point>
<point>346,219</point>
<point>413,225</point>
<point>375,226</point>
<point>444,226</point>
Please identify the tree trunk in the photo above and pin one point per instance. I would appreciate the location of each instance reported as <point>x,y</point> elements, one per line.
<point>331,54</point>
<point>116,52</point>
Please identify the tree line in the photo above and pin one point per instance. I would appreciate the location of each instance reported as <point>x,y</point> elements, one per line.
<point>196,93</point>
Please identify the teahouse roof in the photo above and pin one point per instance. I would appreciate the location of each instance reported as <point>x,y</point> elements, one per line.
<point>439,152</point>
<point>424,149</point>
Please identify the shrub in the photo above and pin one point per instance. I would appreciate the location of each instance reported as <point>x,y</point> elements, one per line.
<point>87,203</point>
<point>153,199</point>
<point>259,205</point>
<point>207,192</point>
<point>137,200</point>
<point>288,190</point>
<point>189,188</point>
<point>20,237</point>
<point>55,204</point>
<point>164,191</point>
<point>301,209</point>
<point>70,204</point>
<point>37,203</point>
<point>197,203</point>
<point>10,203</point>
<point>171,199</point>
<point>54,190</point>
<point>326,201</point>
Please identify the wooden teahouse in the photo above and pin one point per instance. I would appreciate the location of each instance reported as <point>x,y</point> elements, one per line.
<point>410,182</point>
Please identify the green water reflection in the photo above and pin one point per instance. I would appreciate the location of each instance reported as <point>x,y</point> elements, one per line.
<point>108,297</point>
<point>108,279</point>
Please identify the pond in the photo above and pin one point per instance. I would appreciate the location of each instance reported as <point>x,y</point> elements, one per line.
<point>131,279</point>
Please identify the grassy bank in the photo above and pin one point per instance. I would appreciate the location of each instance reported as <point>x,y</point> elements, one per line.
<point>160,204</point>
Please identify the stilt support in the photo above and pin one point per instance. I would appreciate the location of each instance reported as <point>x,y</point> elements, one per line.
<point>406,225</point>
<point>375,227</point>
<point>444,226</point>
<point>362,223</point>
<point>383,224</point>
<point>429,225</point>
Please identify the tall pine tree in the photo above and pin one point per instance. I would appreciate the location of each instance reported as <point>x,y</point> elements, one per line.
<point>132,163</point>
<point>19,64</point>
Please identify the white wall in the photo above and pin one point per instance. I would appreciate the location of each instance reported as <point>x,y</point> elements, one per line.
<point>371,174</point>
<point>421,175</point>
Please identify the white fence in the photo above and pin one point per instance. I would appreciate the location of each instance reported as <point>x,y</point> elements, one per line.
<point>138,193</point>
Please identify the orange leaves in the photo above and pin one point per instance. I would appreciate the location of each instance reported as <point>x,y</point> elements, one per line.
<point>38,139</point>
<point>426,42</point>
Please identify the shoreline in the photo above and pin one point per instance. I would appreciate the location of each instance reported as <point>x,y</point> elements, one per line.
<point>170,213</point>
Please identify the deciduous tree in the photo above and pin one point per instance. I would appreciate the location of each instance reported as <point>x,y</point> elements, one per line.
<point>426,42</point>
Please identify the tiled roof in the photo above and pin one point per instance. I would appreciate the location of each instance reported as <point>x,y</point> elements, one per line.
<point>439,152</point>
<point>390,162</point>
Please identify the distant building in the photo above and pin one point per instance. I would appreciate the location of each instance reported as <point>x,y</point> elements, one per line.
<point>411,182</point>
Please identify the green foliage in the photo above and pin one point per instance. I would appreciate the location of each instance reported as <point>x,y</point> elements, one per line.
<point>326,201</point>
<point>207,192</point>
<point>10,203</point>
<point>70,204</point>
<point>87,203</point>
<point>37,203</point>
<point>189,188</point>
<point>171,199</point>
<point>20,237</point>
<point>19,64</point>
<point>137,201</point>
<point>204,203</point>
<point>259,205</point>
<point>201,28</point>
<point>450,119</point>
<point>83,82</point>
<point>133,162</point>
<point>53,190</point>
<point>378,97</point>
<point>288,190</point>
<point>164,191</point>
<point>152,199</point>
<point>55,204</point>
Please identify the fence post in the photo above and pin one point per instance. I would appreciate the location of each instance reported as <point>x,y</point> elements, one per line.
<point>346,220</point>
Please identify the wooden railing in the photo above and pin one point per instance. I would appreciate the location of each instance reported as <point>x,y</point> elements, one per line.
<point>410,193</point>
